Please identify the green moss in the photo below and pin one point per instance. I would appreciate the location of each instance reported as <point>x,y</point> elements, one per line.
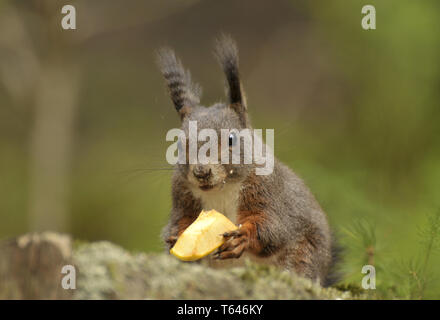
<point>353,289</point>
<point>107,271</point>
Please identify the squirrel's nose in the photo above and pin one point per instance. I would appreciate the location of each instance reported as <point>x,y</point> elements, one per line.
<point>202,173</point>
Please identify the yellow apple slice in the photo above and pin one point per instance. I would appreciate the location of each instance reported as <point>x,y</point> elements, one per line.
<point>203,236</point>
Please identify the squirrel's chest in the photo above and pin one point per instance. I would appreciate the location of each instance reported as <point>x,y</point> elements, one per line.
<point>225,200</point>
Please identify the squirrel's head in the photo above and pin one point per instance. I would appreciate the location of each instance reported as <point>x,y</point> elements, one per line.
<point>226,120</point>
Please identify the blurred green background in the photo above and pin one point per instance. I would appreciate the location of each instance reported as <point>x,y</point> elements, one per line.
<point>84,113</point>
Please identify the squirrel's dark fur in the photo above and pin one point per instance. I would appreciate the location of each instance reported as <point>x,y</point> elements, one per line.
<point>281,222</point>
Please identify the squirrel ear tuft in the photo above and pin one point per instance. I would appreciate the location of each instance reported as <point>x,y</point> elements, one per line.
<point>227,54</point>
<point>184,93</point>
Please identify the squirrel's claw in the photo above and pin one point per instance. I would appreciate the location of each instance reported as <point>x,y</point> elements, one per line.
<point>234,247</point>
<point>231,253</point>
<point>234,234</point>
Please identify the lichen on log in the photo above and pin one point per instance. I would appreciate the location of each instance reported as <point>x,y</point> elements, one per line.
<point>30,268</point>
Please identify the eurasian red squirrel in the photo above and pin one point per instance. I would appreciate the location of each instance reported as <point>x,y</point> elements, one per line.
<point>280,221</point>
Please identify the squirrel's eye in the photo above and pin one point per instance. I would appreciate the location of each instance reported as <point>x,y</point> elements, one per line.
<point>232,139</point>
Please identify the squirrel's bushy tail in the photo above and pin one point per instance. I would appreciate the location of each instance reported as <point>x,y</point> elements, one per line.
<point>184,93</point>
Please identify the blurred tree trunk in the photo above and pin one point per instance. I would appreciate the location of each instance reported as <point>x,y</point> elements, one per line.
<point>38,72</point>
<point>52,134</point>
<point>51,145</point>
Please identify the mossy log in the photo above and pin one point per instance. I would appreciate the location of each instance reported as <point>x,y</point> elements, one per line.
<point>30,268</point>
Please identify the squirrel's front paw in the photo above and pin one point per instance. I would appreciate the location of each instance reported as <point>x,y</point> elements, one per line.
<point>236,243</point>
<point>171,241</point>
